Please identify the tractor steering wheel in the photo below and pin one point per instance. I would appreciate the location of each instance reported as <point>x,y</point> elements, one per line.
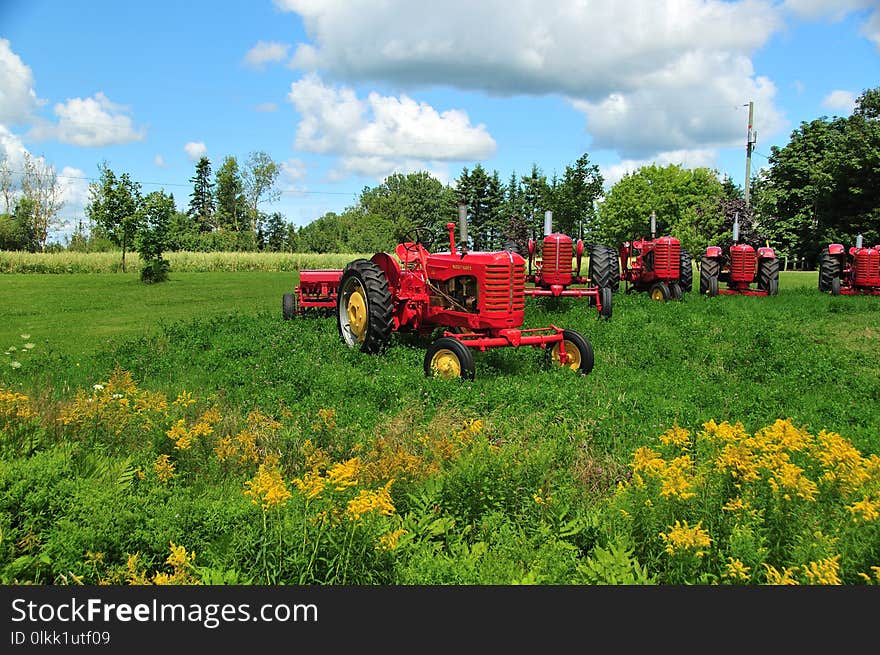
<point>418,236</point>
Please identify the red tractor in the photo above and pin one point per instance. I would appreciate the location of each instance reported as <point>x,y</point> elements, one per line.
<point>739,268</point>
<point>476,298</point>
<point>553,275</point>
<point>858,275</point>
<point>657,265</point>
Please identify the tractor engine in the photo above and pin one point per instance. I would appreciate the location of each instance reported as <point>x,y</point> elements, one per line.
<point>480,290</point>
<point>866,267</point>
<point>743,263</point>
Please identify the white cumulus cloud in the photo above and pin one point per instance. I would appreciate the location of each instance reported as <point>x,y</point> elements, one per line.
<point>18,99</point>
<point>382,134</point>
<point>650,77</point>
<point>195,150</point>
<point>89,122</point>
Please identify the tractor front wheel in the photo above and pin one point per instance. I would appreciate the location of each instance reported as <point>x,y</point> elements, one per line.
<point>364,317</point>
<point>605,299</point>
<point>448,357</point>
<point>659,291</point>
<point>675,291</point>
<point>288,306</point>
<point>709,270</point>
<point>835,286</point>
<point>578,352</point>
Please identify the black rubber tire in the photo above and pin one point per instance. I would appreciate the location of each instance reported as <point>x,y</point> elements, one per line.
<point>364,275</point>
<point>603,268</point>
<point>685,272</point>
<point>450,346</point>
<point>606,299</point>
<point>835,286</point>
<point>659,291</point>
<point>585,351</point>
<point>288,306</point>
<point>829,268</point>
<point>709,269</point>
<point>768,271</point>
<point>675,292</point>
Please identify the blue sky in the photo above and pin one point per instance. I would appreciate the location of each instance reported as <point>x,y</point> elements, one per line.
<point>345,92</point>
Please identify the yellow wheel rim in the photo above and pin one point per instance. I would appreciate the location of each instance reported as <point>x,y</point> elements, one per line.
<point>572,353</point>
<point>657,294</point>
<point>445,364</point>
<point>356,308</point>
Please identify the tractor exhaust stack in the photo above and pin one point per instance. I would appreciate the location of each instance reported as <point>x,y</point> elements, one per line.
<point>859,242</point>
<point>462,226</point>
<point>548,223</point>
<point>736,227</point>
<point>653,225</point>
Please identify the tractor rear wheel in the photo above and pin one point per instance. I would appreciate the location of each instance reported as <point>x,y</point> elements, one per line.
<point>709,269</point>
<point>288,306</point>
<point>768,275</point>
<point>606,300</point>
<point>675,291</point>
<point>603,268</point>
<point>829,268</point>
<point>364,316</point>
<point>448,357</point>
<point>685,271</point>
<point>578,352</point>
<point>659,291</point>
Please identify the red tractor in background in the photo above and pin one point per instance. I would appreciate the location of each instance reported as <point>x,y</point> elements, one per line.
<point>553,275</point>
<point>476,298</point>
<point>657,265</point>
<point>857,275</point>
<point>739,268</point>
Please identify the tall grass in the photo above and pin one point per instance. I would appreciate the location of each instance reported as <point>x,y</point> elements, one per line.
<point>181,262</point>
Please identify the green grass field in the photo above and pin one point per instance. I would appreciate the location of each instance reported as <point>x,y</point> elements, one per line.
<point>803,356</point>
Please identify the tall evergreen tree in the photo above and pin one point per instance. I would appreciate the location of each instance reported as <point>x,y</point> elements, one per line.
<point>201,204</point>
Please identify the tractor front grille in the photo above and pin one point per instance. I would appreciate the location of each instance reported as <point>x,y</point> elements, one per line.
<point>505,287</point>
<point>867,267</point>
<point>743,263</point>
<point>556,255</point>
<point>666,260</point>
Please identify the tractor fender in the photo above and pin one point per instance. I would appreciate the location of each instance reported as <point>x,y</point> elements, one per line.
<point>713,251</point>
<point>835,249</point>
<point>389,266</point>
<point>766,253</point>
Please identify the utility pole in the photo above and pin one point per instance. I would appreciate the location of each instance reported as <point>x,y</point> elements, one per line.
<point>751,139</point>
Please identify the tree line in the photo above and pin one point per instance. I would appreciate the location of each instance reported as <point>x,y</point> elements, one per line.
<point>823,186</point>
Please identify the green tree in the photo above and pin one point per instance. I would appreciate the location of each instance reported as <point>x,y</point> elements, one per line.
<point>232,211</point>
<point>113,205</point>
<point>275,230</point>
<point>576,197</point>
<point>259,176</point>
<point>156,212</point>
<point>201,203</point>
<point>685,202</point>
<point>534,201</point>
<point>824,184</point>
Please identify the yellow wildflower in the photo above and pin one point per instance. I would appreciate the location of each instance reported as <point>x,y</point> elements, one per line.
<point>164,468</point>
<point>378,500</point>
<point>677,436</point>
<point>344,474</point>
<point>867,509</point>
<point>388,541</point>
<point>824,572</point>
<point>736,570</point>
<point>774,577</point>
<point>267,488</point>
<point>682,537</point>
